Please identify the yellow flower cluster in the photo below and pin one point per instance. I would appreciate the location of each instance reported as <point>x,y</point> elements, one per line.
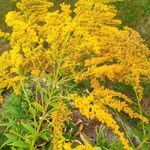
<point>67,146</point>
<point>28,53</point>
<point>84,43</point>
<point>85,147</point>
<point>92,109</point>
<point>58,118</point>
<point>9,70</point>
<point>34,10</point>
<point>1,33</point>
<point>118,55</point>
<point>95,106</point>
<point>115,100</point>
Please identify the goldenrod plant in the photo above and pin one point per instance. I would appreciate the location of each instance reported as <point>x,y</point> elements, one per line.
<point>54,53</point>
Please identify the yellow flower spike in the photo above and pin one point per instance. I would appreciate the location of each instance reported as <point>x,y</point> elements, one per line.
<point>1,33</point>
<point>100,113</point>
<point>107,97</point>
<point>58,118</point>
<point>85,147</point>
<point>67,146</point>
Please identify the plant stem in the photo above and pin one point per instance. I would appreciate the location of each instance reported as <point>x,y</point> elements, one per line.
<point>140,110</point>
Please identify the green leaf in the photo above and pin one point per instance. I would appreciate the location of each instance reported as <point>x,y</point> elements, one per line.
<point>145,146</point>
<point>32,110</point>
<point>117,145</point>
<point>11,137</point>
<point>38,106</point>
<point>44,136</point>
<point>29,128</point>
<point>147,137</point>
<point>5,143</point>
<point>19,144</point>
<point>7,124</point>
<point>4,124</point>
<point>98,148</point>
<point>12,148</point>
<point>45,91</point>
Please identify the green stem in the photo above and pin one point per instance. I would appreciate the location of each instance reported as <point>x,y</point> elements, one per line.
<point>141,112</point>
<point>124,129</point>
<point>50,96</point>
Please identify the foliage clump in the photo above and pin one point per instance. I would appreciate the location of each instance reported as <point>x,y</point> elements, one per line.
<point>51,51</point>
